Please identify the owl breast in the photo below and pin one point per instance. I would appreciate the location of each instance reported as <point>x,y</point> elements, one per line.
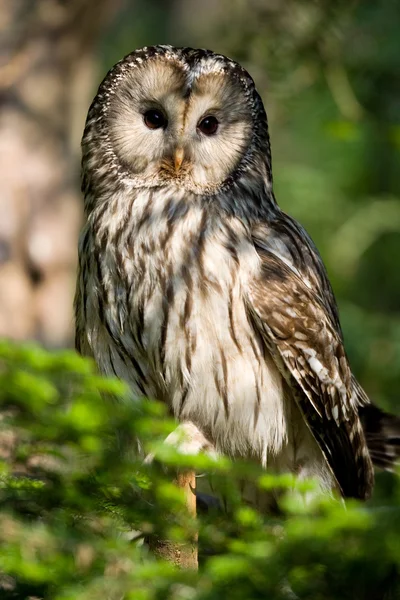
<point>185,338</point>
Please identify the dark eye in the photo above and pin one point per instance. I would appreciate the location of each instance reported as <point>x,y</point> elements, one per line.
<point>208,125</point>
<point>154,119</point>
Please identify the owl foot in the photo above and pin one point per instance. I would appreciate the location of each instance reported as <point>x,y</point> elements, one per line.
<point>187,439</point>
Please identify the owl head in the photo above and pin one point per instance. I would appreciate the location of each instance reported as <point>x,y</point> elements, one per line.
<point>167,116</point>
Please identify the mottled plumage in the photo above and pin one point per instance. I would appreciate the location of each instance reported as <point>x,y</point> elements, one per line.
<point>197,289</point>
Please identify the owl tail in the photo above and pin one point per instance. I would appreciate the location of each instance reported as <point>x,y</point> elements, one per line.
<point>382,433</point>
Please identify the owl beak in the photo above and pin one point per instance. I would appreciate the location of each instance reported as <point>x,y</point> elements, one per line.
<point>178,158</point>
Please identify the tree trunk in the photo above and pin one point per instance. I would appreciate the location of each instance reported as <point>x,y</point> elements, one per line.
<point>46,83</point>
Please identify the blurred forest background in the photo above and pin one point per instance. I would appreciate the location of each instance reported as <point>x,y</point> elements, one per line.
<point>328,71</point>
<point>72,504</point>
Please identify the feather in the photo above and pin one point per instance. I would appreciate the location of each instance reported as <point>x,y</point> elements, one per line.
<point>316,368</point>
<point>382,432</point>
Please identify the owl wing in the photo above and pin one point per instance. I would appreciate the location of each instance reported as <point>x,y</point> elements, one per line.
<point>284,235</point>
<point>300,333</point>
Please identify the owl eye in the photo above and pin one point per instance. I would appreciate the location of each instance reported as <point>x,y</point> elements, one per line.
<point>154,119</point>
<point>208,125</point>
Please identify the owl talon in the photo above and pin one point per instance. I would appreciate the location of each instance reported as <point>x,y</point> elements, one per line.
<point>187,439</point>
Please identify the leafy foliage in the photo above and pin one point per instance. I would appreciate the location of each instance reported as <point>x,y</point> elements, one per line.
<point>76,501</point>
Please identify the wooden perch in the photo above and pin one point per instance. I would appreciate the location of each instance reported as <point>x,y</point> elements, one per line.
<point>183,555</point>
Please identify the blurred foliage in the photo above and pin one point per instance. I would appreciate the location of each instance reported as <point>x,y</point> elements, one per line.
<point>76,501</point>
<point>328,73</point>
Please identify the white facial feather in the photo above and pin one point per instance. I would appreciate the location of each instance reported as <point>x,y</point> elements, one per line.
<point>157,84</point>
<point>185,97</point>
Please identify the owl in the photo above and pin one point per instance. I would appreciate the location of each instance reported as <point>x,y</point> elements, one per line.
<point>197,289</point>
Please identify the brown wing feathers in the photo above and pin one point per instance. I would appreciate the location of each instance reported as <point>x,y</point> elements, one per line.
<point>311,357</point>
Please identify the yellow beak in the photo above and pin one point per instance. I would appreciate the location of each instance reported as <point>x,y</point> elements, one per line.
<point>178,158</point>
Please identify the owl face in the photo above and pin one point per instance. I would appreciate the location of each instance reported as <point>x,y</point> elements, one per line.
<point>178,119</point>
